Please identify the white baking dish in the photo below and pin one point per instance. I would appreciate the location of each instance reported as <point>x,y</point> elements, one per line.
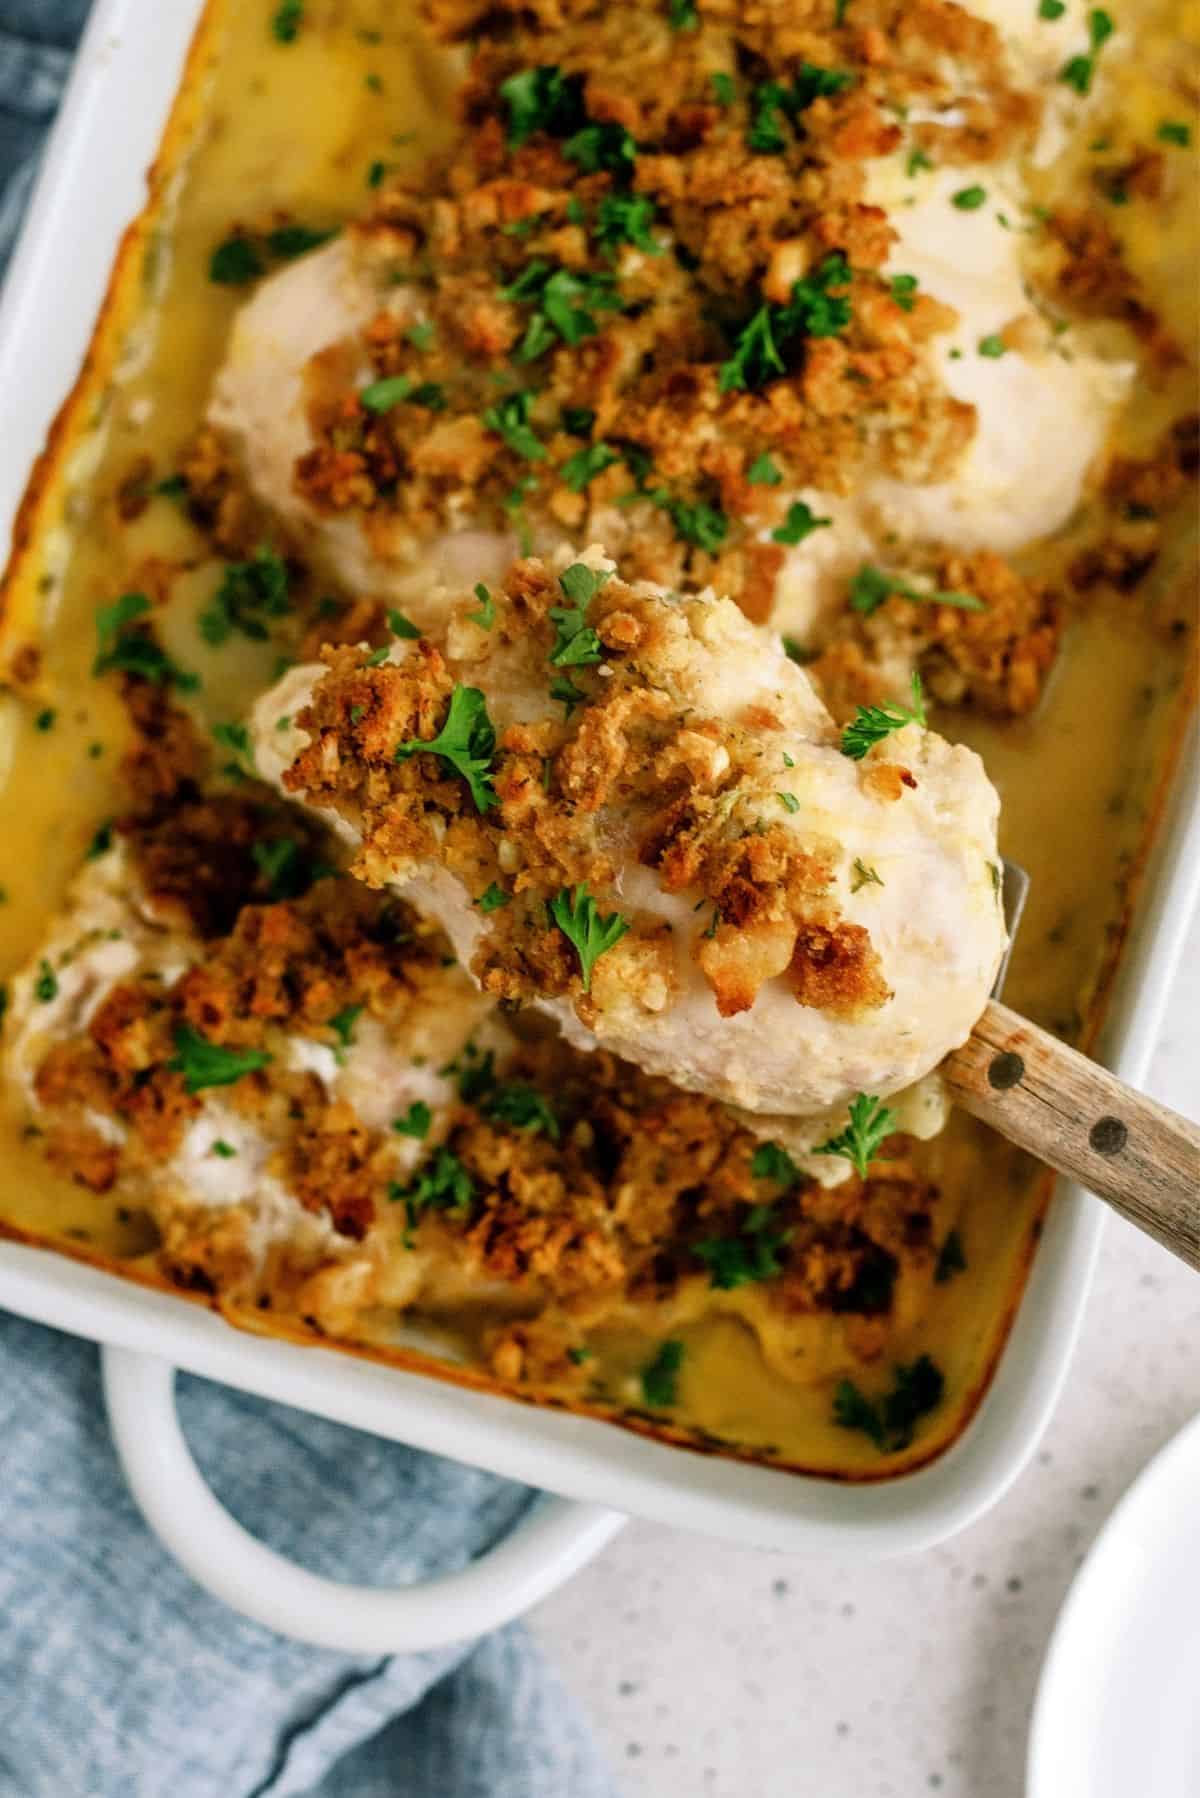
<point>89,189</point>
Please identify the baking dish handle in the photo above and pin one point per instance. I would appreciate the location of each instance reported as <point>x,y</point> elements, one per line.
<point>555,1539</point>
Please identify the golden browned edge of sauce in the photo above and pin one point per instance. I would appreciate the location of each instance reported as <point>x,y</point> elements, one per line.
<point>40,504</point>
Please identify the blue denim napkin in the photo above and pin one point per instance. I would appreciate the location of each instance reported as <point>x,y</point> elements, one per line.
<point>119,1678</point>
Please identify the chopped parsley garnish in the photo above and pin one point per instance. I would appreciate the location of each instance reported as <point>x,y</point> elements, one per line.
<point>627,218</point>
<point>204,1064</point>
<point>951,1259</point>
<point>376,659</point>
<point>289,241</point>
<point>771,1161</point>
<point>578,420</point>
<point>343,1022</point>
<point>225,1150</point>
<point>1079,71</point>
<point>903,290</point>
<point>421,335</point>
<point>286,868</point>
<point>871,586</point>
<point>577,1356</point>
<point>771,103</point>
<point>289,16</point>
<point>523,1107</point>
<point>564,303</point>
<point>493,898</point>
<point>724,88</point>
<point>576,644</point>
<point>1174,131</point>
<point>442,1184</point>
<point>101,842</point>
<point>1051,9</point>
<point>660,1377</point>
<point>509,418</point>
<point>45,987</point>
<point>788,801</point>
<point>863,875</point>
<point>704,527</point>
<point>682,15</point>
<point>467,740</point>
<point>542,99</point>
<point>799,524</point>
<point>235,737</point>
<point>606,147</point>
<point>992,346</point>
<point>382,395</point>
<point>812,311</point>
<point>485,617</point>
<point>400,626</point>
<point>797,652</point>
<point>125,648</point>
<point>872,723</point>
<point>235,262</point>
<point>762,472</point>
<point>45,719</point>
<point>969,199</point>
<point>890,1421</point>
<point>567,693</point>
<point>587,463</point>
<point>870,1122</point>
<point>752,1255</point>
<point>590,934</point>
<point>249,593</point>
<point>376,172</point>
<point>415,1122</point>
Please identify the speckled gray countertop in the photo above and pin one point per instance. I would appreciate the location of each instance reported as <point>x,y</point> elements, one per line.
<point>714,1672</point>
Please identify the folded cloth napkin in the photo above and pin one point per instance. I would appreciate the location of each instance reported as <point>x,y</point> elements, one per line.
<point>119,1678</point>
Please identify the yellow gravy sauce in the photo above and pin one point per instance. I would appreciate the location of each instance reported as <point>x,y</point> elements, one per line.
<point>258,128</point>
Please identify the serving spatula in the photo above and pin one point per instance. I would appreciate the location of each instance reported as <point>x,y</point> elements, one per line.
<point>1075,1116</point>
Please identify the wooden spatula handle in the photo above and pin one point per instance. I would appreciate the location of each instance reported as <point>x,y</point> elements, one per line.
<point>1081,1120</point>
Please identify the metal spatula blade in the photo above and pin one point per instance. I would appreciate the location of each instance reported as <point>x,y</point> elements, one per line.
<point>1014,891</point>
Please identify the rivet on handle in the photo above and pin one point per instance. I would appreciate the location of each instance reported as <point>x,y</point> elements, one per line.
<point>1005,1070</point>
<point>1108,1136</point>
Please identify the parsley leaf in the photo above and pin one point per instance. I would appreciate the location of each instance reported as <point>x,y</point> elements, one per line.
<point>871,586</point>
<point>286,868</point>
<point>492,898</point>
<point>567,693</point>
<point>523,1107</point>
<point>400,626</point>
<point>872,723</point>
<point>578,420</point>
<point>1174,131</point>
<point>509,418</point>
<point>343,1022</point>
<point>703,526</point>
<point>969,199</point>
<point>682,15</point>
<point>812,311</point>
<point>415,1122</point>
<point>249,593</point>
<point>660,1377</point>
<point>467,740</point>
<point>770,103</point>
<point>762,472</point>
<point>606,147</point>
<point>101,842</point>
<point>870,1122</point>
<point>890,1421</point>
<point>771,1161</point>
<point>564,305</point>
<point>204,1064</point>
<point>289,241</point>
<point>576,645</point>
<point>862,875</point>
<point>235,262</point>
<point>45,987</point>
<point>485,617</point>
<point>724,88</point>
<point>752,1255</point>
<point>627,218</point>
<point>125,648</point>
<point>587,463</point>
<point>903,289</point>
<point>800,523</point>
<point>441,1184</point>
<point>590,934</point>
<point>542,99</point>
<point>1079,71</point>
<point>289,16</point>
<point>381,396</point>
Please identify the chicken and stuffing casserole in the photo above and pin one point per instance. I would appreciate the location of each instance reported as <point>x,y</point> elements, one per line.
<point>501,661</point>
